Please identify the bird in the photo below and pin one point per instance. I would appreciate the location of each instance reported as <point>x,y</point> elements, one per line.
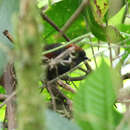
<point>75,58</point>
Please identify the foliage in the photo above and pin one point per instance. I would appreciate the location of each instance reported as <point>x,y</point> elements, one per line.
<point>101,22</point>
<point>95,100</point>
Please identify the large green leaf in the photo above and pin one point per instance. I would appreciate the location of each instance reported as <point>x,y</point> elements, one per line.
<point>93,104</point>
<point>117,116</point>
<point>7,9</point>
<point>115,6</point>
<point>113,35</point>
<point>55,121</point>
<point>59,13</point>
<point>118,18</point>
<point>100,8</point>
<point>104,33</point>
<point>124,28</point>
<point>97,29</point>
<point>2,90</point>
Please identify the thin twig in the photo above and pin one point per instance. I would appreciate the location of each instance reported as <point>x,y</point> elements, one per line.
<point>84,36</point>
<point>74,16</point>
<point>66,86</point>
<point>8,99</point>
<point>3,97</point>
<point>68,78</point>
<point>88,66</point>
<point>118,57</point>
<point>98,44</point>
<point>46,18</point>
<point>93,53</point>
<point>110,53</point>
<point>52,96</point>
<point>94,56</point>
<point>111,46</point>
<point>64,45</point>
<point>85,71</point>
<point>9,36</point>
<point>75,78</point>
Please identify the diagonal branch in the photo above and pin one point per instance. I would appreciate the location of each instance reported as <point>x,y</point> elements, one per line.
<point>66,86</point>
<point>46,18</point>
<point>3,97</point>
<point>74,16</point>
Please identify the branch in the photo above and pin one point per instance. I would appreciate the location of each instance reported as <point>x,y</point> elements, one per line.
<point>57,95</point>
<point>8,99</point>
<point>85,71</point>
<point>74,16</point>
<point>10,85</point>
<point>9,36</point>
<point>3,97</point>
<point>88,66</point>
<point>93,53</point>
<point>54,25</point>
<point>64,45</point>
<point>68,78</point>
<point>110,53</point>
<point>66,86</point>
<point>126,76</point>
<point>94,44</point>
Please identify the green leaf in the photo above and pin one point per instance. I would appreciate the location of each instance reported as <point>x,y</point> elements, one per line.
<point>113,35</point>
<point>59,13</point>
<point>7,9</point>
<point>104,33</point>
<point>124,28</point>
<point>99,8</point>
<point>117,116</point>
<point>114,6</point>
<point>118,18</point>
<point>2,113</point>
<point>97,29</point>
<point>55,121</point>
<point>2,90</point>
<point>93,104</point>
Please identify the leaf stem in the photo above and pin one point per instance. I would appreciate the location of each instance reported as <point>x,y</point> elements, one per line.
<point>64,45</point>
